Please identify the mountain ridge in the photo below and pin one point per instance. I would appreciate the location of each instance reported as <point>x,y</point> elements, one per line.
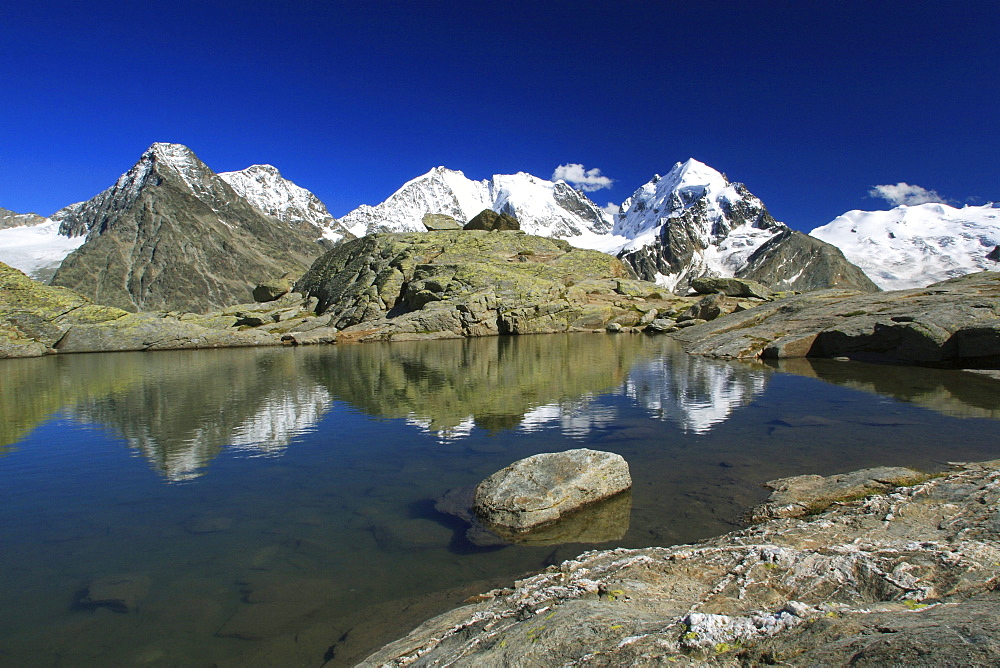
<point>687,223</point>
<point>544,208</point>
<point>171,234</point>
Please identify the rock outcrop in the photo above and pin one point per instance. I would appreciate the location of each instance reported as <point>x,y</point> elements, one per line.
<point>541,489</point>
<point>37,319</point>
<point>10,219</point>
<point>268,291</point>
<point>953,322</point>
<point>474,283</point>
<point>731,287</point>
<point>490,220</point>
<point>795,261</point>
<point>903,577</point>
<point>810,494</point>
<point>435,222</point>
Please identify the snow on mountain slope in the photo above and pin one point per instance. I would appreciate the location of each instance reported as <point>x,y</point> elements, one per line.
<point>542,207</point>
<point>265,188</point>
<point>552,209</point>
<point>689,223</point>
<point>438,191</point>
<point>37,250</point>
<point>914,246</point>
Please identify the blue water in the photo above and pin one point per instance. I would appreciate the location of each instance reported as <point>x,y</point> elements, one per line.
<point>278,504</point>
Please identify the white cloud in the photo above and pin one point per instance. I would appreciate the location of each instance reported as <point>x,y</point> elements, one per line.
<point>611,209</point>
<point>904,193</point>
<point>587,180</point>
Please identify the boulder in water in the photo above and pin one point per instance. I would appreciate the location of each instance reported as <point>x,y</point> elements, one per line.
<point>541,489</point>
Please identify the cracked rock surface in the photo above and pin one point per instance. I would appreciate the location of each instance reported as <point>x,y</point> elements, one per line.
<point>904,577</point>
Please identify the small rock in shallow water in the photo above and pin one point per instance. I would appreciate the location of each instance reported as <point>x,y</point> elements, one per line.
<point>540,489</point>
<point>121,593</point>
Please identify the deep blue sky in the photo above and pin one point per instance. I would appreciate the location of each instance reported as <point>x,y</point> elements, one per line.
<point>809,103</point>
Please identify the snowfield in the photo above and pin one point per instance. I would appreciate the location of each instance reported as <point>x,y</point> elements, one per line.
<point>37,250</point>
<point>914,246</point>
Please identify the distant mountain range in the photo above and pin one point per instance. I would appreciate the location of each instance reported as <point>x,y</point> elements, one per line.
<point>173,234</point>
<point>544,208</point>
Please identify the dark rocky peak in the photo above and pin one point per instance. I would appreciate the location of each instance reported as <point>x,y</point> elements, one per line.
<point>161,165</point>
<point>791,260</point>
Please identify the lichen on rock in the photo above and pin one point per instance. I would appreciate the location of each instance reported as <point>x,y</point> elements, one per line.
<point>473,283</point>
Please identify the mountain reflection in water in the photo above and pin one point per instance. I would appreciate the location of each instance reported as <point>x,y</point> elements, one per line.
<point>180,410</point>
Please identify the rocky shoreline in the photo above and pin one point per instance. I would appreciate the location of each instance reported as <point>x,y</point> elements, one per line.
<point>879,567</point>
<point>447,284</point>
<point>384,287</point>
<point>954,322</point>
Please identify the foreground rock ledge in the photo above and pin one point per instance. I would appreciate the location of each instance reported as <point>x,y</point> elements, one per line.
<point>908,577</point>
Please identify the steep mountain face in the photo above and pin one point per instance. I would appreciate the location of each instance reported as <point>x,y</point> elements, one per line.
<point>265,188</point>
<point>690,223</point>
<point>693,222</point>
<point>171,234</point>
<point>914,246</point>
<point>10,219</point>
<point>542,207</point>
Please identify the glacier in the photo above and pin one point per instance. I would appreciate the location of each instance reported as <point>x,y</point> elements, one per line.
<point>37,250</point>
<point>912,246</point>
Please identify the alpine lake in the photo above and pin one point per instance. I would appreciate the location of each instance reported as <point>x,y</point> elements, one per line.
<point>277,506</point>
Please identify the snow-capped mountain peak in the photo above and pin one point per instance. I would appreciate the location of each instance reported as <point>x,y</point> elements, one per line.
<point>692,222</point>
<point>912,246</point>
<point>265,188</point>
<point>694,175</point>
<point>542,207</point>
<point>664,197</point>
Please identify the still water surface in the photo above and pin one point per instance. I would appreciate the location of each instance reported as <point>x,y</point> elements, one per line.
<point>277,506</point>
